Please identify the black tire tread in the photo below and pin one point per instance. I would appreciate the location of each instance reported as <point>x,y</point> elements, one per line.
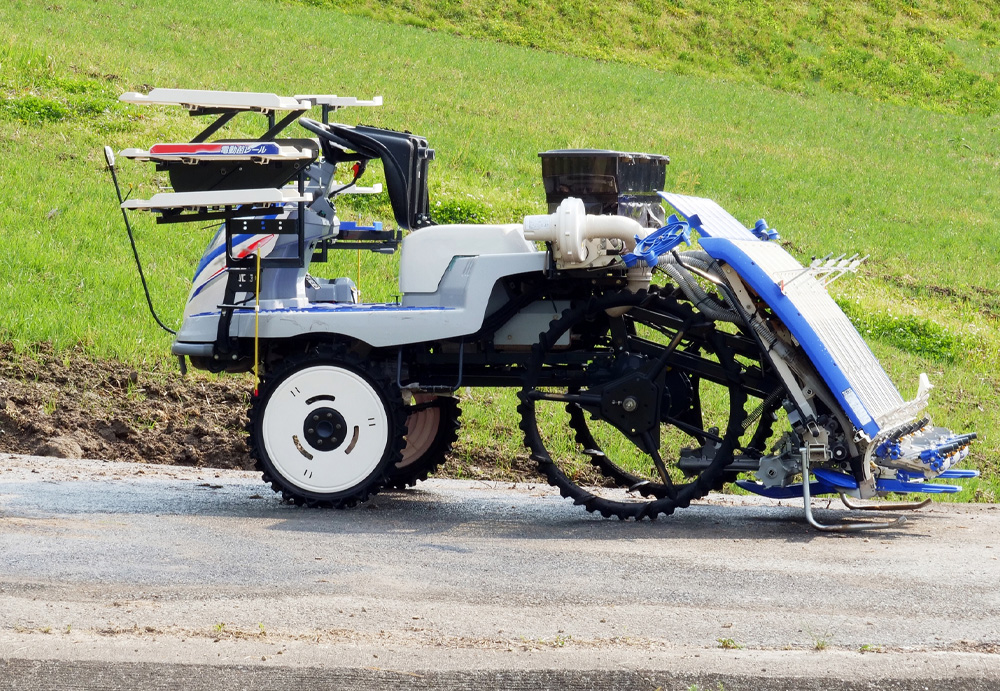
<point>447,434</point>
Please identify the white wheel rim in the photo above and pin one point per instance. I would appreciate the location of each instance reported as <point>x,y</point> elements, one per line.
<point>284,419</point>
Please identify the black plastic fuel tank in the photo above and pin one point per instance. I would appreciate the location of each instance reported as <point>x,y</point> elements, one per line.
<point>608,182</point>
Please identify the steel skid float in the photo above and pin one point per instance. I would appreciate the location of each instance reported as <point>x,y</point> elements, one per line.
<point>647,375</point>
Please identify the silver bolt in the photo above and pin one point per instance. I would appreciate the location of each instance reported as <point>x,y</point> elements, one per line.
<point>630,404</point>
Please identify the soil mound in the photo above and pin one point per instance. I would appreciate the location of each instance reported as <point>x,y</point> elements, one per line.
<point>68,405</point>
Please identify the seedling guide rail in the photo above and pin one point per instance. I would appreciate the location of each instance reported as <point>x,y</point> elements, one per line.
<point>666,389</point>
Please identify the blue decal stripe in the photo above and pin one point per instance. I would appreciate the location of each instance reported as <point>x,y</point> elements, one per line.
<point>208,281</point>
<point>341,307</point>
<point>237,239</point>
<point>211,254</point>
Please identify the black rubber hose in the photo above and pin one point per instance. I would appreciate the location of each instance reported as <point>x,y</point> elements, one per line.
<point>135,253</point>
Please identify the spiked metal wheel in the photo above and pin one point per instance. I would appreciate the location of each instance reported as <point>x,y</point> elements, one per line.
<point>758,426</point>
<point>326,430</point>
<point>658,382</point>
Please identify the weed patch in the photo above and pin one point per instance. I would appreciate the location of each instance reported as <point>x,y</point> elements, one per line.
<point>38,90</point>
<point>907,332</point>
<point>33,110</point>
<point>460,211</point>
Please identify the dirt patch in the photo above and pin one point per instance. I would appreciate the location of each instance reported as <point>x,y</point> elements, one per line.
<point>68,405</point>
<point>986,301</point>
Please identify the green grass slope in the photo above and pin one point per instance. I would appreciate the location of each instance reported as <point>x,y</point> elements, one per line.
<point>833,171</point>
<point>940,54</point>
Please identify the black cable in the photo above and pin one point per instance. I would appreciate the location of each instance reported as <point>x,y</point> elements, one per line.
<point>135,253</point>
<point>337,191</point>
<point>359,170</point>
<point>142,277</point>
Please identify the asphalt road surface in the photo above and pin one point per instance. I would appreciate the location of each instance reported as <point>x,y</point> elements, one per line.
<point>117,575</point>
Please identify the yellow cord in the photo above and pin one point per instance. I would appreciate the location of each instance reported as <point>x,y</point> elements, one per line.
<point>256,330</point>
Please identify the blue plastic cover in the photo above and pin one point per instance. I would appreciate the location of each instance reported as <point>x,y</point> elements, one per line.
<point>827,336</point>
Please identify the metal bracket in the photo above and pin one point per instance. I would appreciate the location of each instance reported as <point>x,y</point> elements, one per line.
<point>826,270</point>
<point>844,527</point>
<point>416,386</point>
<point>888,506</point>
<point>244,273</point>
